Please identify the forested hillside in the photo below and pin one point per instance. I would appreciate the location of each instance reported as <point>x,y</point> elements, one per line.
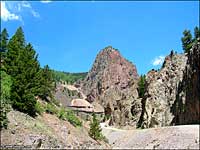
<point>23,78</point>
<point>70,78</point>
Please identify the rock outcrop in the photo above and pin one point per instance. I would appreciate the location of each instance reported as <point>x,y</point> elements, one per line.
<point>187,105</point>
<point>161,89</point>
<point>112,82</point>
<point>65,93</point>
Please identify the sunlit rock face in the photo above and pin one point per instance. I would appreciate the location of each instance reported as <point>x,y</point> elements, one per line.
<point>112,82</point>
<point>161,89</point>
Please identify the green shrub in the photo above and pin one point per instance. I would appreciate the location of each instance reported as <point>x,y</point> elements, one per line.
<point>5,99</point>
<point>73,119</point>
<point>95,129</point>
<point>39,108</point>
<point>69,116</point>
<point>51,109</point>
<point>107,116</point>
<point>62,114</point>
<point>141,86</point>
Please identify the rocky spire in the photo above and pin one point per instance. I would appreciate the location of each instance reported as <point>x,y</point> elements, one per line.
<point>112,82</point>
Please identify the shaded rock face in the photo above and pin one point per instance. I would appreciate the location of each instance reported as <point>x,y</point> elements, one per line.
<point>161,89</point>
<point>112,82</point>
<point>187,106</point>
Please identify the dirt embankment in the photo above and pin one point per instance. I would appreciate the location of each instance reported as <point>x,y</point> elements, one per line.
<point>46,131</point>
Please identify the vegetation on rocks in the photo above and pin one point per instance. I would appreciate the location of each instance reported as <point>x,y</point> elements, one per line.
<point>141,86</point>
<point>188,40</point>
<point>5,98</point>
<point>95,129</point>
<point>39,108</point>
<point>67,77</point>
<point>69,115</point>
<point>51,109</point>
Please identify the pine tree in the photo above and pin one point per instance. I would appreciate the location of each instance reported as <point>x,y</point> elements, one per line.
<point>45,83</point>
<point>15,46</point>
<point>187,41</point>
<point>196,33</point>
<point>3,43</point>
<point>95,129</point>
<point>28,79</point>
<point>22,65</point>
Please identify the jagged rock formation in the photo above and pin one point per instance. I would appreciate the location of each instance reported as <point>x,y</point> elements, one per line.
<point>112,82</point>
<point>187,105</point>
<point>161,89</point>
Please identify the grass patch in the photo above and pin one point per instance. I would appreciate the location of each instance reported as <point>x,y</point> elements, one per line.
<point>69,115</point>
<point>39,108</point>
<point>51,109</point>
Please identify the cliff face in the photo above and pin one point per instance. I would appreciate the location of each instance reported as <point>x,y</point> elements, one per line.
<point>161,89</point>
<point>172,94</point>
<point>187,105</point>
<point>112,82</point>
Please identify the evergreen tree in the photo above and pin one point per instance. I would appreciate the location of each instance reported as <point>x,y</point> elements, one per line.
<point>196,33</point>
<point>28,79</point>
<point>141,86</point>
<point>21,63</point>
<point>95,129</point>
<point>3,43</point>
<point>45,83</point>
<point>15,46</point>
<point>187,41</point>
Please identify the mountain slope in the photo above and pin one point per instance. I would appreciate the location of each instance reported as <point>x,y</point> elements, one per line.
<point>46,131</point>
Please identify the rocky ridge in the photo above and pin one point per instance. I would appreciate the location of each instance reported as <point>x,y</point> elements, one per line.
<point>187,104</point>
<point>172,94</point>
<point>112,82</point>
<point>161,89</point>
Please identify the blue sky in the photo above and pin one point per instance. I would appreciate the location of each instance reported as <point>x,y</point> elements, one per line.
<point>68,35</point>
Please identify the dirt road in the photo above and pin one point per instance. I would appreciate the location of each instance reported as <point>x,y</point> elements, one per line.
<point>173,137</point>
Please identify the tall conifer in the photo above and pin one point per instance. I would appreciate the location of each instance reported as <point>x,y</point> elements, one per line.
<point>3,43</point>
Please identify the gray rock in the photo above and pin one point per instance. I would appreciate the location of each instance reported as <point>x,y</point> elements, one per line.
<point>161,89</point>
<point>187,104</point>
